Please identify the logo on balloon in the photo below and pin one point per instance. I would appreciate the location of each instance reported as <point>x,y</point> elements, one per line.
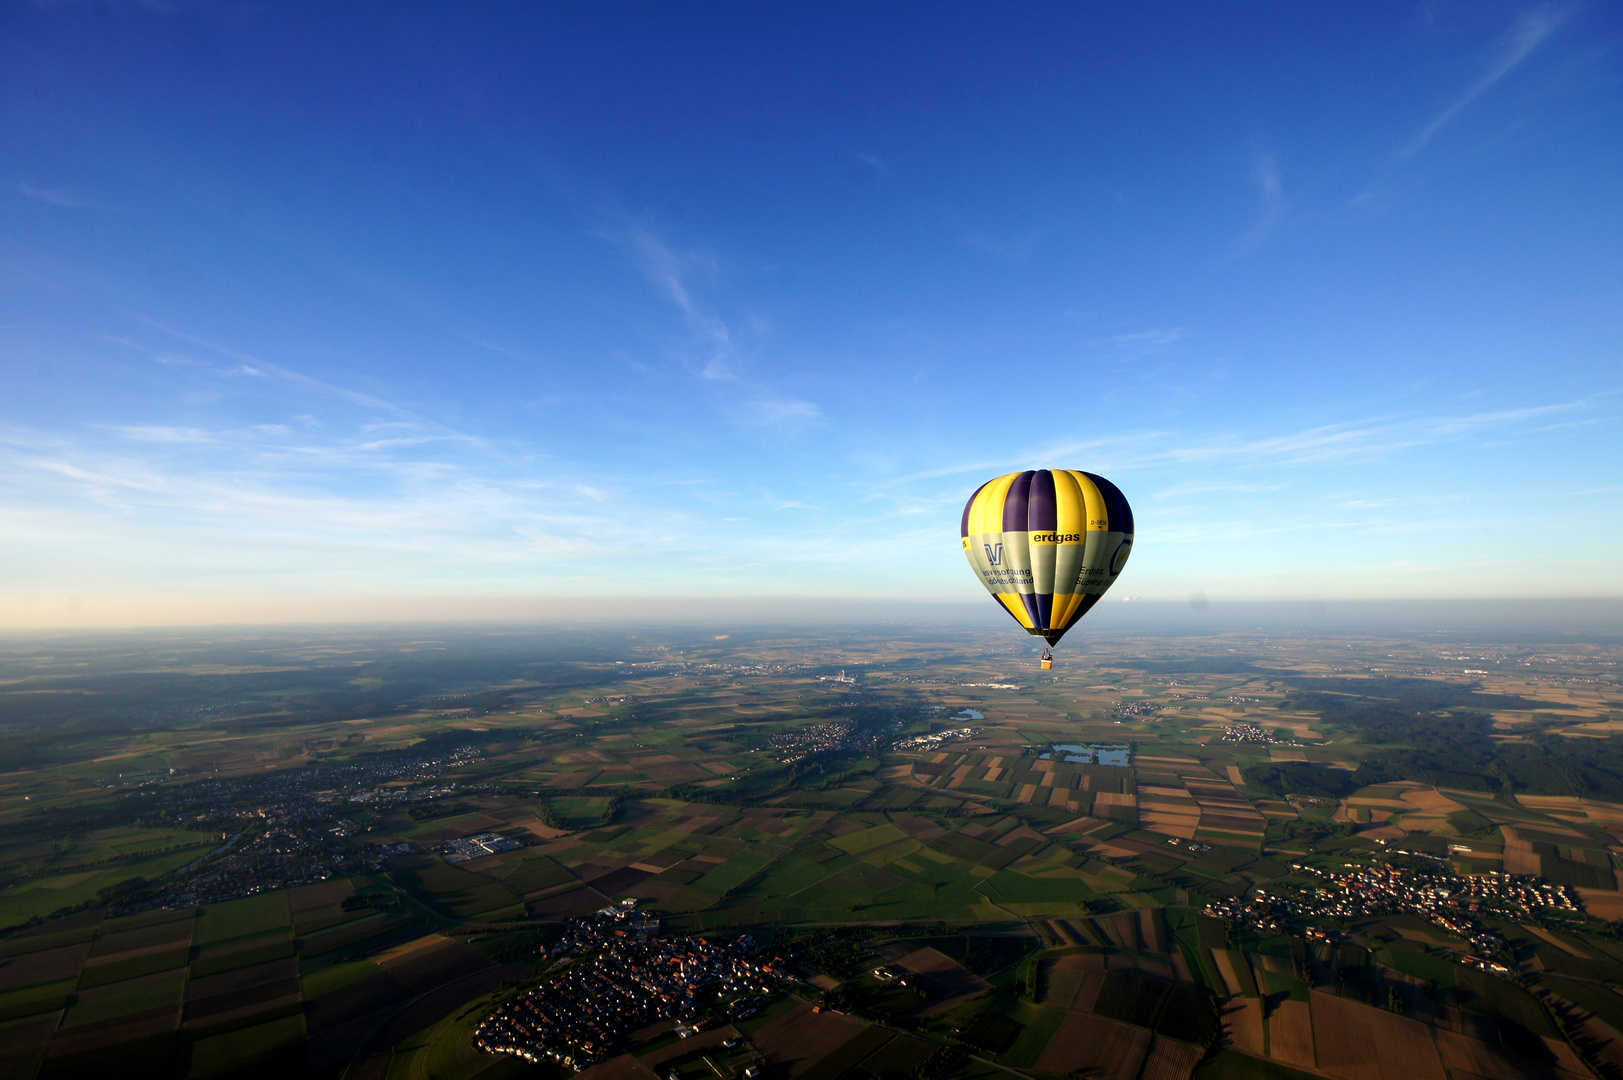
<point>994,554</point>
<point>1120,558</point>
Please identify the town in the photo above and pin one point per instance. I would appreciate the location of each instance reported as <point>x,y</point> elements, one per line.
<point>621,977</point>
<point>1426,887</point>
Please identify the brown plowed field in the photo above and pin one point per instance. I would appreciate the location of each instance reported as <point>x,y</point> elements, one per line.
<point>1290,1034</point>
<point>1345,1031</point>
<point>1242,1023</point>
<point>51,965</point>
<point>703,1040</point>
<point>1171,1060</point>
<point>356,1000</point>
<point>121,1029</point>
<point>250,998</point>
<point>624,1067</point>
<point>1095,1047</point>
<point>239,1012</point>
<point>567,905</point>
<point>23,1043</point>
<point>227,981</point>
<point>800,1038</point>
<point>170,933</point>
<point>1466,1055</point>
<point>941,975</point>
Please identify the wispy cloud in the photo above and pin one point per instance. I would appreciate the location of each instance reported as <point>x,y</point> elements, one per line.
<point>1521,41</point>
<point>57,196</point>
<point>1014,248</point>
<point>1270,187</point>
<point>670,272</point>
<point>256,367</point>
<point>159,434</point>
<point>1365,439</point>
<point>673,273</point>
<point>876,163</point>
<point>1354,440</point>
<point>1153,337</point>
<point>793,412</point>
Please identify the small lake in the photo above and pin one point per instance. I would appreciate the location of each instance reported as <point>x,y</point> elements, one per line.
<point>1090,754</point>
<point>969,714</point>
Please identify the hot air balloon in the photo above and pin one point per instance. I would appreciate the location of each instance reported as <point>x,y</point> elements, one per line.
<point>1047,544</point>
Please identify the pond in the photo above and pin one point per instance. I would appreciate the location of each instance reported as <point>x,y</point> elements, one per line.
<point>1090,754</point>
<point>969,714</point>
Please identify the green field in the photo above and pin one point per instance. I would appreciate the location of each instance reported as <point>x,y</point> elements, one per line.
<point>242,918</point>
<point>220,1055</point>
<point>119,999</point>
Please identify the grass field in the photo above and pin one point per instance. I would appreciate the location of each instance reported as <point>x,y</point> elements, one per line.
<point>1037,1027</point>
<point>241,918</point>
<point>220,1055</point>
<point>34,999</point>
<point>41,896</point>
<point>336,977</point>
<point>119,999</point>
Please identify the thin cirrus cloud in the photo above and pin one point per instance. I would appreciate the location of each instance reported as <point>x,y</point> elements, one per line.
<point>63,197</point>
<point>1270,186</point>
<point>1520,42</point>
<point>672,273</point>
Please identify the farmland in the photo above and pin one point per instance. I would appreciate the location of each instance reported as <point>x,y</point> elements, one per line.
<point>971,867</point>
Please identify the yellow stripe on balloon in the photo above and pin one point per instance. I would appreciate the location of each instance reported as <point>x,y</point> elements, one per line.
<point>1071,511</point>
<point>1097,514</point>
<point>986,516</point>
<point>1017,608</point>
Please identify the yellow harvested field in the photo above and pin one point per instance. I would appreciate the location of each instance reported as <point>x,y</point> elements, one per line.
<point>411,950</point>
<point>1430,799</point>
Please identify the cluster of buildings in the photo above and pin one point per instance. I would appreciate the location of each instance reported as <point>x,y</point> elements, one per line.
<point>624,977</point>
<point>938,739</point>
<point>1139,708</point>
<point>817,739</point>
<point>1432,892</point>
<point>278,858</point>
<point>1246,733</point>
<point>291,827</point>
<point>477,847</point>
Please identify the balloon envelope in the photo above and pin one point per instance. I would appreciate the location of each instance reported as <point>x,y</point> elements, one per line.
<point>1047,544</point>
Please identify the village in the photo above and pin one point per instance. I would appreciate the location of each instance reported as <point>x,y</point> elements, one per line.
<point>1427,888</point>
<point>622,977</point>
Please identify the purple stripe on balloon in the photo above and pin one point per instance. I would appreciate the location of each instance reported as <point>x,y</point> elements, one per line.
<point>963,528</point>
<point>1030,600</point>
<point>1043,512</point>
<point>1045,609</point>
<point>1014,503</point>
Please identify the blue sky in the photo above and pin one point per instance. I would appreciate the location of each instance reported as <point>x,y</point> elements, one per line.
<point>349,303</point>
